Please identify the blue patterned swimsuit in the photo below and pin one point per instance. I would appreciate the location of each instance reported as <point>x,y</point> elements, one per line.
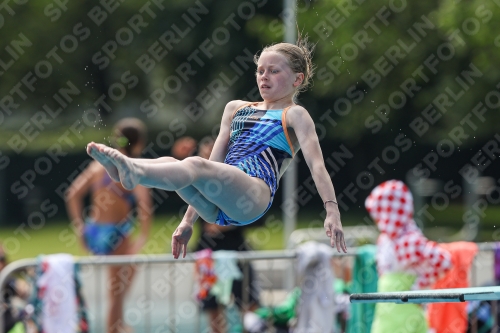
<point>259,145</point>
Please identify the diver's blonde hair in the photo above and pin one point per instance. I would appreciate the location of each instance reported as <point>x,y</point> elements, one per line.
<point>299,56</point>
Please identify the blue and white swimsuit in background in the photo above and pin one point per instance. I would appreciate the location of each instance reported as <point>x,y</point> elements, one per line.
<point>104,238</point>
<point>259,145</point>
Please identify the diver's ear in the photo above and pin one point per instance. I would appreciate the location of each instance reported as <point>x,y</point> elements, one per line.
<point>299,78</point>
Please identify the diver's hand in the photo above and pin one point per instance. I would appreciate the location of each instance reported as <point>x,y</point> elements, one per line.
<point>180,239</point>
<point>333,228</point>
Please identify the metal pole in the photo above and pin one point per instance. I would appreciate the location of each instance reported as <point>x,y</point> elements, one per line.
<point>98,294</point>
<point>173,308</point>
<point>289,17</point>
<point>289,196</point>
<point>245,290</point>
<point>413,183</point>
<point>149,298</point>
<point>290,176</point>
<point>3,197</point>
<point>471,196</point>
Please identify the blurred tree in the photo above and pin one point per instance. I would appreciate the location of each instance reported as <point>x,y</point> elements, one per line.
<point>381,65</point>
<point>407,58</point>
<point>390,74</point>
<point>95,50</point>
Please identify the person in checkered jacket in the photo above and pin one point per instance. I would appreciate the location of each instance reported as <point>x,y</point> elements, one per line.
<point>406,259</point>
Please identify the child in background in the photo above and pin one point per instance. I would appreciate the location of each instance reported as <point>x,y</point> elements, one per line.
<point>406,259</point>
<point>107,229</point>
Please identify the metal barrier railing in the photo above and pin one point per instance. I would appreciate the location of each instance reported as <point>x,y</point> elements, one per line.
<point>149,261</point>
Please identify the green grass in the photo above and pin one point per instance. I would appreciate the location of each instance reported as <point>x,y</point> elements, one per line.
<point>29,243</point>
<point>57,236</point>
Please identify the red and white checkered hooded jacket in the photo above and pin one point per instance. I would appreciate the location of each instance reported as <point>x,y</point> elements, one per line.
<point>401,246</point>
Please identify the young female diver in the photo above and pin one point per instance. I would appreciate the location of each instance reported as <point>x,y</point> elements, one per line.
<point>255,145</point>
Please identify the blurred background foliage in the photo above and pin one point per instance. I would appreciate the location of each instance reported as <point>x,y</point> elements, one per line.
<point>366,54</point>
<point>331,24</point>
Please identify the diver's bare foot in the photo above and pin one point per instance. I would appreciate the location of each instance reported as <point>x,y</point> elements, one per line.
<point>128,171</point>
<point>111,169</point>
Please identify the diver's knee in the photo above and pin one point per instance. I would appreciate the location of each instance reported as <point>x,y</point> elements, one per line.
<point>195,165</point>
<point>194,162</point>
<point>168,159</point>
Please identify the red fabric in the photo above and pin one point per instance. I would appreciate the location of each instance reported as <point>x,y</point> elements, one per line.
<point>204,267</point>
<point>452,317</point>
<point>401,246</point>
